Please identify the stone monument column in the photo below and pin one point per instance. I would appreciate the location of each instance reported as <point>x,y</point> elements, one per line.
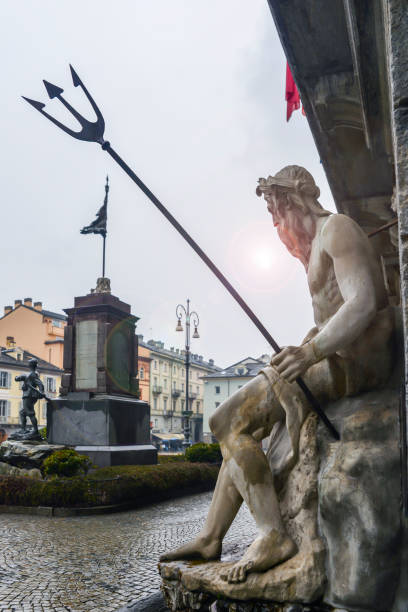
<point>99,411</point>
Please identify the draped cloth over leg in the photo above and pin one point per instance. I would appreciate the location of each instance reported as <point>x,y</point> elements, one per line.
<point>283,447</point>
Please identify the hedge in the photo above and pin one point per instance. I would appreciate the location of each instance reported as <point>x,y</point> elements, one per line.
<point>204,453</point>
<point>171,458</point>
<point>135,484</point>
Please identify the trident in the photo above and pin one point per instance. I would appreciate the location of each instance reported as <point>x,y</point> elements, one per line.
<point>92,131</point>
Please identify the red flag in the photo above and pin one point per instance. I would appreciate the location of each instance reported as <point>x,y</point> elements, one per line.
<point>291,94</point>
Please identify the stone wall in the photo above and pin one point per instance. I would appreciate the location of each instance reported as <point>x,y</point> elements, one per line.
<point>396,27</point>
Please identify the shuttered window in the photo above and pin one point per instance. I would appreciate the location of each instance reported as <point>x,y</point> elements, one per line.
<point>5,379</point>
<point>4,410</point>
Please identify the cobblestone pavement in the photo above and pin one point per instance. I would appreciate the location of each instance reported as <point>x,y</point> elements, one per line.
<point>98,563</point>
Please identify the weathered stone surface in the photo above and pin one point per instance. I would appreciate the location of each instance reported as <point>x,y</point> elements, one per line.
<point>9,470</point>
<point>180,599</point>
<point>296,580</point>
<point>26,454</point>
<point>300,579</point>
<point>359,502</point>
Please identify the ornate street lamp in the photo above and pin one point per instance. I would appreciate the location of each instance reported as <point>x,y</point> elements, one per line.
<point>189,316</point>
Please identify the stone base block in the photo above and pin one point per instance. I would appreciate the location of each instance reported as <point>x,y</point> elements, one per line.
<point>297,580</point>
<point>103,420</point>
<point>104,456</point>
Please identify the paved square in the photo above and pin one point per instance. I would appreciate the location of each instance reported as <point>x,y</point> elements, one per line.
<point>98,563</point>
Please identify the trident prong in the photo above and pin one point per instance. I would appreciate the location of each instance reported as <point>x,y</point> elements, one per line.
<point>92,131</point>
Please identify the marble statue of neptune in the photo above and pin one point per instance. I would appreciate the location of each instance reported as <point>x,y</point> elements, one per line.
<point>347,352</point>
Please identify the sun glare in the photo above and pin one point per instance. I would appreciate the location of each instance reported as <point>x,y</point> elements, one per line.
<point>263,258</point>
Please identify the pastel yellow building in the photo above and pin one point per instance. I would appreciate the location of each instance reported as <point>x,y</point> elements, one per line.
<point>168,410</point>
<point>37,330</point>
<point>14,362</point>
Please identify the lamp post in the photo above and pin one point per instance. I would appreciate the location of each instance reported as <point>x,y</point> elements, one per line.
<point>189,316</point>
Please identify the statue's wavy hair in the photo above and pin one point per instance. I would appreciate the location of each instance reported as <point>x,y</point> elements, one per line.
<point>303,183</point>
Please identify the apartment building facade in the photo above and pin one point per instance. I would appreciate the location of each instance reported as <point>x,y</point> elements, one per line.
<point>144,361</point>
<point>37,330</point>
<point>169,412</point>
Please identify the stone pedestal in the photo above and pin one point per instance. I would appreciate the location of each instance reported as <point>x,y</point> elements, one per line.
<point>99,411</point>
<point>360,502</point>
<point>111,430</point>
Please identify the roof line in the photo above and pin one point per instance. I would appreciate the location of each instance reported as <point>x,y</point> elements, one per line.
<point>47,313</point>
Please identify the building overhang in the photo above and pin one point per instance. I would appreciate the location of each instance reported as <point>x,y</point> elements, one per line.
<point>337,54</point>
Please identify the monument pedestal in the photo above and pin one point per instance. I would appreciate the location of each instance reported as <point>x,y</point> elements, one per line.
<point>111,430</point>
<point>99,411</point>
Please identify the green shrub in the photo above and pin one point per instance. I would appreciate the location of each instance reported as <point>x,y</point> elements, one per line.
<point>66,462</point>
<point>204,453</point>
<point>43,432</point>
<point>135,484</point>
<point>170,458</point>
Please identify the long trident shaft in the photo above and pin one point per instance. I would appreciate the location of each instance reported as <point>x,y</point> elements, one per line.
<point>309,395</point>
<point>93,132</point>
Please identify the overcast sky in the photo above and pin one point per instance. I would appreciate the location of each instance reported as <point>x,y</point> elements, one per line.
<point>193,98</point>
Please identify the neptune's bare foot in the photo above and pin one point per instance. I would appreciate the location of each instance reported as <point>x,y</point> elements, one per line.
<point>265,552</point>
<point>204,548</point>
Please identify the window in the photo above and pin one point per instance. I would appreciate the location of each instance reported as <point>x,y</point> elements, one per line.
<point>156,423</point>
<point>141,373</point>
<point>165,403</point>
<point>56,323</point>
<point>217,404</point>
<point>174,405</point>
<point>165,366</point>
<point>241,371</point>
<point>198,406</point>
<point>189,389</point>
<point>165,383</point>
<point>155,403</point>
<point>182,404</point>
<point>182,372</point>
<point>155,364</point>
<point>50,384</point>
<point>44,411</point>
<point>18,356</point>
<point>217,390</point>
<point>174,369</point>
<point>4,409</point>
<point>4,380</point>
<point>182,386</point>
<point>155,381</point>
<point>197,389</point>
<point>239,386</point>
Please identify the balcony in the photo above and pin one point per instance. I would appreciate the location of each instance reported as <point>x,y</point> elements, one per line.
<point>176,392</point>
<point>192,395</point>
<point>157,389</point>
<point>168,413</point>
<point>187,413</point>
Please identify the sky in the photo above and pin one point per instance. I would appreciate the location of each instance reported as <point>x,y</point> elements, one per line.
<point>193,99</point>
